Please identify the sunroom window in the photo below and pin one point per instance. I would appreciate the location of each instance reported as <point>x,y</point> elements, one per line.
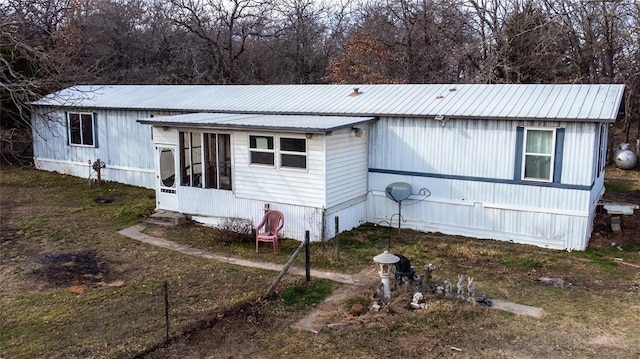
<point>217,159</point>
<point>205,160</point>
<point>191,159</point>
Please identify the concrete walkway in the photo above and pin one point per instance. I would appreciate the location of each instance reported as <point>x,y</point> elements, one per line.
<point>309,322</point>
<point>356,281</point>
<point>135,232</point>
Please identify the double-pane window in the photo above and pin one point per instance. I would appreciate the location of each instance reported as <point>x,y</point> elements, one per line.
<point>293,152</point>
<point>261,150</point>
<point>290,152</point>
<point>81,129</point>
<point>538,154</point>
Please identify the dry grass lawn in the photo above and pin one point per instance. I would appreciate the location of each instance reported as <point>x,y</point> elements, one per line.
<point>73,288</point>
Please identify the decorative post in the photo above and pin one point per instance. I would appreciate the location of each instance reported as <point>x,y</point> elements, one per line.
<point>385,260</point>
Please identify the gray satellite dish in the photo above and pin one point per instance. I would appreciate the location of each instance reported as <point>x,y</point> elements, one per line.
<point>398,191</point>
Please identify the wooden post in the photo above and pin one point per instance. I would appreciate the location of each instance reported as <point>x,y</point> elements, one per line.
<point>98,169</point>
<point>284,270</point>
<point>307,257</point>
<point>337,230</point>
<point>166,308</point>
<point>399,216</point>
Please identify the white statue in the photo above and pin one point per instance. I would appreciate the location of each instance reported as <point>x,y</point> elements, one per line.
<point>418,301</point>
<point>448,289</point>
<point>471,289</point>
<point>460,287</point>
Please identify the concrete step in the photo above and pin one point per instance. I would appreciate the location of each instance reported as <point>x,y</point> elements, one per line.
<point>167,218</point>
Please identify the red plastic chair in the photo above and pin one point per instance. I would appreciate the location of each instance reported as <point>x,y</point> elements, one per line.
<point>272,223</point>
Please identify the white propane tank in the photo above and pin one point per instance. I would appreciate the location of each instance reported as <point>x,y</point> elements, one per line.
<point>625,158</point>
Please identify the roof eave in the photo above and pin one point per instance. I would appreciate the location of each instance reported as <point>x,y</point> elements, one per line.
<point>545,119</point>
<point>235,127</point>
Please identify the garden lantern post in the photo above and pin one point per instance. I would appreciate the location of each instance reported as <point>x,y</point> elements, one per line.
<point>385,261</point>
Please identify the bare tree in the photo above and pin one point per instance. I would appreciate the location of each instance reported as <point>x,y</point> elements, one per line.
<point>536,51</point>
<point>603,38</point>
<point>598,35</point>
<point>27,69</point>
<point>223,29</point>
<point>519,41</point>
<point>297,45</point>
<point>430,39</point>
<point>630,71</point>
<point>364,60</point>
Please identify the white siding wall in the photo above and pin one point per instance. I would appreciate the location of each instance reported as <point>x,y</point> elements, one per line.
<point>598,176</point>
<point>123,145</point>
<point>285,185</point>
<point>50,136</point>
<point>479,220</point>
<point>213,206</point>
<point>458,148</point>
<point>169,136</point>
<point>473,148</point>
<point>346,178</point>
<point>350,215</point>
<point>347,170</point>
<point>578,159</point>
<point>491,208</point>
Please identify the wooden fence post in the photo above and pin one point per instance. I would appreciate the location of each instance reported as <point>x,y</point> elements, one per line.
<point>307,256</point>
<point>284,270</point>
<point>337,228</point>
<point>166,308</point>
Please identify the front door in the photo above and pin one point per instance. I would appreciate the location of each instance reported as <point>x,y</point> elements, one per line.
<point>166,196</point>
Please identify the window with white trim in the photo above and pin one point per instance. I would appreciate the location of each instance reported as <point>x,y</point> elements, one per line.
<point>538,154</point>
<point>293,152</point>
<point>81,128</point>
<point>261,150</point>
<point>280,152</point>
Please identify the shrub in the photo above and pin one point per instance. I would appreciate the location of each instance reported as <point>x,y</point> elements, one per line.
<point>236,230</point>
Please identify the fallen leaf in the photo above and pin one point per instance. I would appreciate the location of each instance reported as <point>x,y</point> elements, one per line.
<point>78,289</point>
<point>116,283</point>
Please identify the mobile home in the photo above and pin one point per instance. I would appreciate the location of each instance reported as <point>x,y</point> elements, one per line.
<point>521,163</point>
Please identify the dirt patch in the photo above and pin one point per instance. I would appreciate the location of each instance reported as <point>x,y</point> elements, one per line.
<point>9,234</point>
<point>221,330</point>
<point>72,269</point>
<point>603,236</point>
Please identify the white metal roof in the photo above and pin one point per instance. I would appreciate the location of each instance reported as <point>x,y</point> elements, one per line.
<point>515,101</point>
<point>292,123</point>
